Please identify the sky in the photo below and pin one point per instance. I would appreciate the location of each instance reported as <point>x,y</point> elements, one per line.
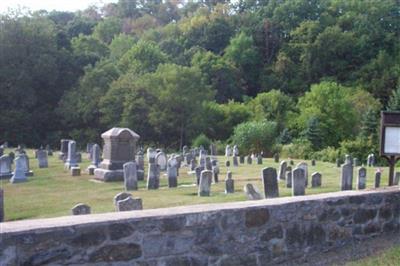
<point>49,5</point>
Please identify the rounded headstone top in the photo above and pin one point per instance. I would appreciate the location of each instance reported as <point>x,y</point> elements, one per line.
<point>122,133</point>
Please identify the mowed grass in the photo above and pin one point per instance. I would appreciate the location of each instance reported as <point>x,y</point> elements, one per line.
<point>390,257</point>
<point>53,191</point>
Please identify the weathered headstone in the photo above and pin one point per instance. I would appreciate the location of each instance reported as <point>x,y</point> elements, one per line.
<point>337,162</point>
<point>289,178</point>
<point>249,160</point>
<point>396,179</point>
<point>241,159</point>
<point>228,151</point>
<point>198,171</point>
<point>304,166</point>
<point>348,159</point>
<point>130,176</point>
<point>235,150</point>
<point>78,157</point>
<point>80,209</point>
<point>5,167</point>
<point>259,159</point>
<point>172,172</point>
<point>282,170</point>
<point>202,159</point>
<point>377,179</point>
<point>251,192</point>
<point>270,182</point>
<point>71,157</point>
<point>63,149</point>
<point>12,156</point>
<point>140,166</point>
<point>313,162</point>
<point>151,155</point>
<point>153,176</point>
<point>1,151</point>
<point>25,164</point>
<point>208,163</point>
<point>49,150</point>
<point>276,157</point>
<point>120,196</point>
<point>229,183</point>
<point>371,160</point>
<point>291,162</point>
<point>161,160</point>
<point>1,205</point>
<point>205,183</point>
<point>129,204</point>
<point>227,163</point>
<point>42,158</point>
<point>215,171</point>
<point>298,182</point>
<point>19,172</point>
<point>316,179</point>
<point>235,161</point>
<point>119,148</point>
<point>213,149</point>
<point>95,158</point>
<point>346,177</point>
<point>75,171</point>
<point>193,164</point>
<point>361,178</point>
<point>356,162</point>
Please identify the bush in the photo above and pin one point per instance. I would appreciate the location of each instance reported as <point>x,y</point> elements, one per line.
<point>255,136</point>
<point>329,154</point>
<point>299,149</point>
<point>201,140</point>
<point>359,148</point>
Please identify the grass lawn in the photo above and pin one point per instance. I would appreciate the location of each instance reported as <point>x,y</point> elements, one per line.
<point>53,192</point>
<point>390,257</point>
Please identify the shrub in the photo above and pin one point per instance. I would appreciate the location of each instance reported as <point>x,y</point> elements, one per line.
<point>299,148</point>
<point>329,154</point>
<point>201,140</point>
<point>358,148</point>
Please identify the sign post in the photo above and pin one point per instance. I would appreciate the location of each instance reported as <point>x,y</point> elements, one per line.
<point>390,140</point>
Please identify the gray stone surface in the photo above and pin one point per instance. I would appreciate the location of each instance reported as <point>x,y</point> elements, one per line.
<point>316,180</point>
<point>289,179</point>
<point>130,176</point>
<point>153,176</point>
<point>80,209</point>
<point>377,179</point>
<point>161,160</point>
<point>25,164</point>
<point>193,164</point>
<point>259,159</point>
<point>282,170</point>
<point>227,163</point>
<point>276,157</point>
<point>235,161</point>
<point>304,166</point>
<point>1,205</point>
<point>151,155</point>
<point>129,204</point>
<point>121,196</point>
<point>362,178</point>
<point>241,159</point>
<point>298,182</point>
<point>346,177</point>
<point>71,156</point>
<point>95,155</point>
<point>5,167</point>
<point>313,163</point>
<point>205,183</point>
<point>63,149</point>
<point>208,163</point>
<point>235,151</point>
<point>249,160</point>
<point>108,175</point>
<point>252,192</point>
<point>172,172</point>
<point>19,175</point>
<point>215,170</point>
<point>280,231</point>
<point>198,171</point>
<point>228,151</point>
<point>42,159</point>
<point>229,183</point>
<point>396,179</point>
<point>270,182</point>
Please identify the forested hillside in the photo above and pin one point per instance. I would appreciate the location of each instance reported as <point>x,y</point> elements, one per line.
<point>293,76</point>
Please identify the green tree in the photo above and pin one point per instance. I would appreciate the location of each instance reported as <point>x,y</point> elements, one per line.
<point>120,45</point>
<point>370,125</point>
<point>394,100</point>
<point>107,29</point>
<point>88,49</point>
<point>255,136</point>
<point>313,133</point>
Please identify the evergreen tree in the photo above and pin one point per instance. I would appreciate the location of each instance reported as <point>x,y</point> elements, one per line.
<point>313,133</point>
<point>369,125</point>
<point>285,137</point>
<point>394,101</point>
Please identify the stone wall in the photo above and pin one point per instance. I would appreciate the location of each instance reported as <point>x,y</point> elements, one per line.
<point>242,233</point>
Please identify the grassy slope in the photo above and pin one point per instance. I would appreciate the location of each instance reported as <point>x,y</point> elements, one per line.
<point>53,192</point>
<point>389,257</point>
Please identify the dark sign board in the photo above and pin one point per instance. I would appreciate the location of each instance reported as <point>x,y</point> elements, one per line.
<point>390,133</point>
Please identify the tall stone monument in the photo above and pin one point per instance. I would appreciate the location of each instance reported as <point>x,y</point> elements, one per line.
<point>119,148</point>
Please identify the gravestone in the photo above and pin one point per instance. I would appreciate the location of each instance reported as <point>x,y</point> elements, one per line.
<point>198,171</point>
<point>346,177</point>
<point>19,175</point>
<point>129,204</point>
<point>229,183</point>
<point>215,170</point>
<point>12,156</point>
<point>282,170</point>
<point>270,182</point>
<point>241,159</point>
<point>249,160</point>
<point>161,161</point>
<point>377,179</point>
<point>337,162</point>
<point>119,148</point>
<point>228,151</point>
<point>298,182</point>
<point>130,176</point>
<point>153,176</point>
<point>213,149</point>
<point>227,163</point>
<point>89,147</point>
<point>252,192</point>
<point>80,209</point>
<point>78,157</point>
<point>120,196</point>
<point>1,151</point>
<point>362,178</point>
<point>235,161</point>
<point>348,159</point>
<point>140,166</point>
<point>5,167</point>
<point>172,172</point>
<point>356,162</point>
<point>289,178</point>
<point>235,151</point>
<point>63,149</point>
<point>1,205</point>
<point>276,157</point>
<point>95,158</point>
<point>71,156</point>
<point>313,162</point>
<point>49,150</point>
<point>75,171</point>
<point>316,179</point>
<point>42,159</point>
<point>396,179</point>
<point>371,160</point>
<point>25,164</point>
<point>202,159</point>
<point>151,155</point>
<point>291,162</point>
<point>205,183</point>
<point>259,159</point>
<point>208,163</point>
<point>20,150</point>
<point>304,166</point>
<point>193,164</point>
